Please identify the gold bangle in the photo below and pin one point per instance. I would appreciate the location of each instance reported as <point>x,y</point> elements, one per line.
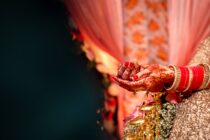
<point>177,78</point>
<point>207,83</point>
<point>206,76</point>
<point>190,79</point>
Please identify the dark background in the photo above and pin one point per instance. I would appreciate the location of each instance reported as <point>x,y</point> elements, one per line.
<point>46,90</point>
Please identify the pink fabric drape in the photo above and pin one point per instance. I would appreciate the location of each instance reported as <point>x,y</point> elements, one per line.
<point>189,23</point>
<point>100,22</point>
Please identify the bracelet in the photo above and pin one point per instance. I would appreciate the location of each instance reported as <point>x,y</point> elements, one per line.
<point>207,73</point>
<point>184,79</point>
<point>206,79</point>
<point>190,80</point>
<point>177,78</point>
<point>198,76</point>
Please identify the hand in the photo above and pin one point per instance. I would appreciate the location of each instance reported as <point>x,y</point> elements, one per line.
<point>128,70</point>
<point>148,78</point>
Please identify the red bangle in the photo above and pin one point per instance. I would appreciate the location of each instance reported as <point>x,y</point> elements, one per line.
<point>198,76</point>
<point>184,79</point>
<point>190,79</point>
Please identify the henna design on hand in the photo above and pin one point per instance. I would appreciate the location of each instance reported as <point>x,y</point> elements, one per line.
<point>127,70</point>
<point>149,77</point>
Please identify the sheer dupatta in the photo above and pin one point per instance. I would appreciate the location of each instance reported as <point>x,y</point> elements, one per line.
<point>189,23</point>
<point>100,22</point>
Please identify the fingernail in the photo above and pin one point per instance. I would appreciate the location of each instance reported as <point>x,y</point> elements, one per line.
<point>135,77</point>
<point>131,64</point>
<point>126,64</point>
<point>113,78</point>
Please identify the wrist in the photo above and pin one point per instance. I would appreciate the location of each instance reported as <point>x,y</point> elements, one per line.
<point>169,78</point>
<point>189,78</point>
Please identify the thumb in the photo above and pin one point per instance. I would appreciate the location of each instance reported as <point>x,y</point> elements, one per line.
<point>141,75</point>
<point>130,85</point>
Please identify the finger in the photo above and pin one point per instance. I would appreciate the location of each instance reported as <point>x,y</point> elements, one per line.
<point>135,71</point>
<point>118,81</point>
<point>126,73</point>
<point>141,75</point>
<point>122,68</point>
<point>128,70</point>
<point>130,85</point>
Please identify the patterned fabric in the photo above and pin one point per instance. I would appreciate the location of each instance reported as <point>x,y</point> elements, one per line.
<point>145,31</point>
<point>193,114</point>
<point>145,39</point>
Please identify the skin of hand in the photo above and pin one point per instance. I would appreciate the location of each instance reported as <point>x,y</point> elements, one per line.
<point>128,70</point>
<point>134,77</point>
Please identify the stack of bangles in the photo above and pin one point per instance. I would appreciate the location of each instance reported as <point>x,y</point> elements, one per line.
<point>190,78</point>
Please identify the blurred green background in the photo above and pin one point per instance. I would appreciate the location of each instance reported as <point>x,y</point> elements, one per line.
<point>46,90</point>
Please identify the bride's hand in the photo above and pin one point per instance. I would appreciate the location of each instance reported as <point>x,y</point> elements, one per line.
<point>128,70</point>
<point>147,77</point>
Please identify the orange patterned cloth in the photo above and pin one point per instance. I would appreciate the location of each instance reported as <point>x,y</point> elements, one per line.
<point>145,31</point>
<point>145,39</point>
